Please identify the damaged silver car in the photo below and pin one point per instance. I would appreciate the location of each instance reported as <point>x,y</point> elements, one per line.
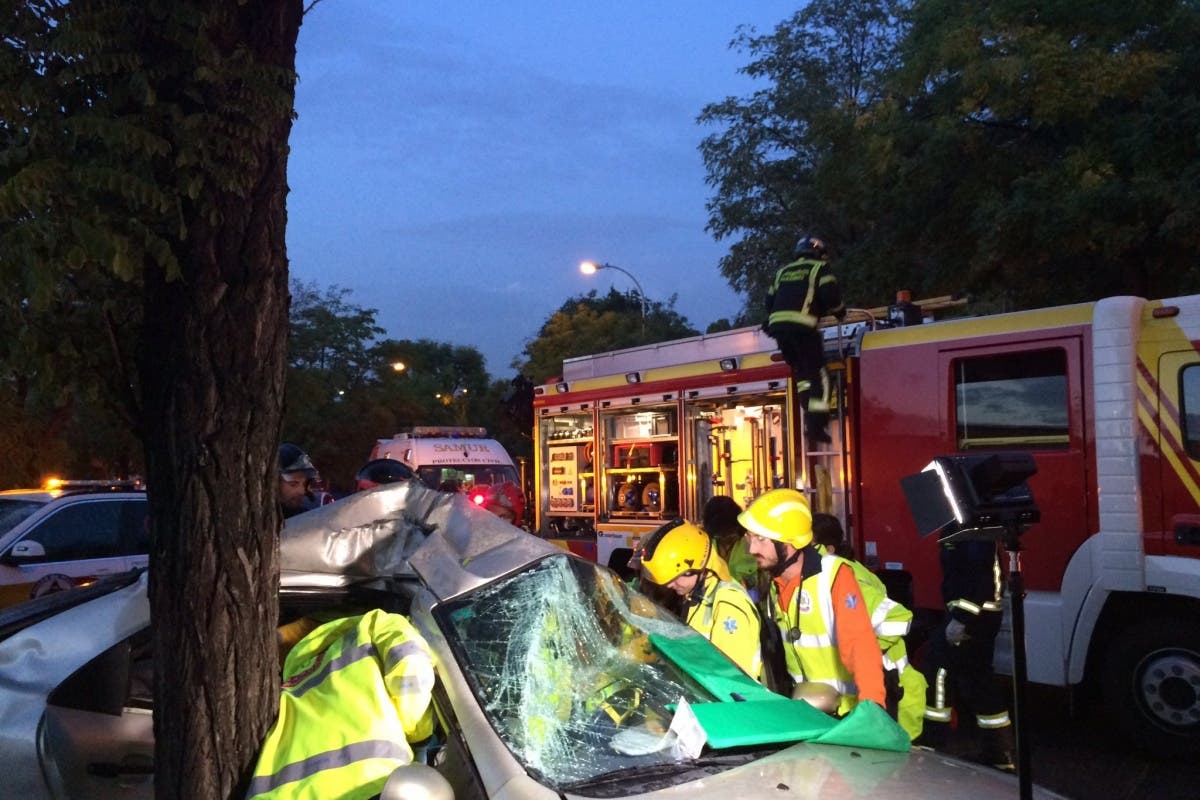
<point>554,679</point>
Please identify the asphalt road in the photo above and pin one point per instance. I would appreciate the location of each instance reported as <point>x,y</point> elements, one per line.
<point>1077,754</point>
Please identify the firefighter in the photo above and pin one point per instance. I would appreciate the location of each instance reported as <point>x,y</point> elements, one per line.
<point>817,604</point>
<point>380,471</point>
<point>682,557</point>
<point>356,692</point>
<point>904,683</point>
<point>961,649</point>
<point>298,480</point>
<point>719,520</point>
<point>804,290</point>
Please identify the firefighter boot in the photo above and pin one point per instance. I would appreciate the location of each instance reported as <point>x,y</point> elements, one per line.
<point>996,748</point>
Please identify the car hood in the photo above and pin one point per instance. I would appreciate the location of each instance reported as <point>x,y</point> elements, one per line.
<point>404,530</point>
<point>834,771</point>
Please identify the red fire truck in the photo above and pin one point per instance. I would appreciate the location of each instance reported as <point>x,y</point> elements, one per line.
<point>1105,395</point>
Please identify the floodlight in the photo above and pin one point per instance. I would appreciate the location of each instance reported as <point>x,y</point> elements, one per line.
<point>985,497</point>
<point>973,496</point>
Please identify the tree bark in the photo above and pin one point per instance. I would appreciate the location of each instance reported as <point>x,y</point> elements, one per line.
<point>213,365</point>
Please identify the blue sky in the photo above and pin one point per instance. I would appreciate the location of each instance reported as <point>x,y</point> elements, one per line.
<point>453,163</point>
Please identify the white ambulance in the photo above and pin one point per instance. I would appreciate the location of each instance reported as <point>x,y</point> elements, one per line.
<point>450,457</point>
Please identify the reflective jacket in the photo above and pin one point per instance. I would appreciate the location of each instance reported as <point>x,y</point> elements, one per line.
<point>356,691</point>
<point>973,586</point>
<point>803,292</point>
<point>728,618</point>
<point>891,622</point>
<point>810,617</point>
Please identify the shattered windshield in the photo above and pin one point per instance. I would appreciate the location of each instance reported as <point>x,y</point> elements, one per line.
<point>560,660</point>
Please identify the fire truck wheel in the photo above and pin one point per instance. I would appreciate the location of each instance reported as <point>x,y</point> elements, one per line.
<point>1151,687</point>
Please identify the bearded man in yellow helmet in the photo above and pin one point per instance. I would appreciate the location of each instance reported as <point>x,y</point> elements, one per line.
<point>817,604</point>
<point>683,558</point>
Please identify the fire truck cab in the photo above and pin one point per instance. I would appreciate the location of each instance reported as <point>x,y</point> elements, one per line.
<point>1104,395</point>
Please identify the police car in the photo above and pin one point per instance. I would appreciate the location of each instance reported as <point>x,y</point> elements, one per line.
<point>554,679</point>
<point>67,534</point>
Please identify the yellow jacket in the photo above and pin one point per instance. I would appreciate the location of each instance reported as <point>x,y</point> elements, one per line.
<point>727,617</point>
<point>356,691</point>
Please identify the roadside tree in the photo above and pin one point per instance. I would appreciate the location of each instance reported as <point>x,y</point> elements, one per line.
<point>786,160</point>
<point>1042,155</point>
<point>146,142</point>
<point>594,323</point>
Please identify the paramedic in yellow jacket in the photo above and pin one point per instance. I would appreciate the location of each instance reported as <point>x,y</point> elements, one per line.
<point>905,684</point>
<point>817,603</point>
<point>683,558</point>
<point>356,692</point>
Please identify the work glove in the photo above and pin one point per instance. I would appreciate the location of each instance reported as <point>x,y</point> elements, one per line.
<point>956,632</point>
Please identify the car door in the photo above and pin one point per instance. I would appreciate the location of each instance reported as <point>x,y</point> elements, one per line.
<point>98,729</point>
<point>70,546</point>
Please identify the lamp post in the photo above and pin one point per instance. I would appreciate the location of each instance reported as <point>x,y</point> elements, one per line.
<point>590,268</point>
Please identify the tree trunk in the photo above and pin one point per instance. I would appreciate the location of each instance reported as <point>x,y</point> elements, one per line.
<point>213,362</point>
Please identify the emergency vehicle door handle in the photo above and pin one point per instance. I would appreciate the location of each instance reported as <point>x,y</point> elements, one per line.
<point>1187,534</point>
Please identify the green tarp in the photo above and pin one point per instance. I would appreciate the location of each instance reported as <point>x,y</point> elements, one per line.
<point>709,667</point>
<point>749,714</point>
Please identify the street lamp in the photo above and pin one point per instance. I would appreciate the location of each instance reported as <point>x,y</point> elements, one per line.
<point>590,267</point>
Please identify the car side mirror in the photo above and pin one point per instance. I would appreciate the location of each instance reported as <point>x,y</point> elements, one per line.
<point>24,552</point>
<point>416,782</point>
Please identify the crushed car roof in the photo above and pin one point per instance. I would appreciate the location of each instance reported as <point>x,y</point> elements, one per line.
<point>385,533</point>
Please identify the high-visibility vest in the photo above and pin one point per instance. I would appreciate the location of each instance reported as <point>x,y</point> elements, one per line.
<point>810,639</point>
<point>891,622</point>
<point>356,691</point>
<point>728,618</point>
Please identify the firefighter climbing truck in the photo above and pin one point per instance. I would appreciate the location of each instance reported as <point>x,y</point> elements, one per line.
<point>1104,395</point>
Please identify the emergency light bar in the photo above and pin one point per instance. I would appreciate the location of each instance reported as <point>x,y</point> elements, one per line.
<point>59,484</point>
<point>444,432</point>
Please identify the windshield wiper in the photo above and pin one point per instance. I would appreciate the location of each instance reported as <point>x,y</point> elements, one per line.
<point>671,769</point>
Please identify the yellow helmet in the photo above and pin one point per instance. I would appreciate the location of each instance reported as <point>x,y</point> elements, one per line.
<point>782,515</point>
<point>674,549</point>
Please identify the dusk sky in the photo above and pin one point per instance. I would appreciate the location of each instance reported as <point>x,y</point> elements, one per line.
<point>453,162</point>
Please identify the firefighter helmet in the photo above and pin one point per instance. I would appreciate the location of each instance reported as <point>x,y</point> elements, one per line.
<point>293,459</point>
<point>380,471</point>
<point>674,549</point>
<point>782,515</point>
<point>811,247</point>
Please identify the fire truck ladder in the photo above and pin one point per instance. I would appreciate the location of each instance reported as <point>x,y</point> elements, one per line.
<point>824,473</point>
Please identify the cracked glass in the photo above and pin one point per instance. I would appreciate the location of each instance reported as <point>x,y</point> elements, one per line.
<point>560,661</point>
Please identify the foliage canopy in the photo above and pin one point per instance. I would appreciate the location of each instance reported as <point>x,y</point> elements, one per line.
<point>1034,155</point>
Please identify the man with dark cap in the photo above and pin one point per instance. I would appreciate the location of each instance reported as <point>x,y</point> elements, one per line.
<point>297,480</point>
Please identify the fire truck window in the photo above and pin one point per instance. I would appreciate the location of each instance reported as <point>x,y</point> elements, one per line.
<point>1190,412</point>
<point>1012,400</point>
